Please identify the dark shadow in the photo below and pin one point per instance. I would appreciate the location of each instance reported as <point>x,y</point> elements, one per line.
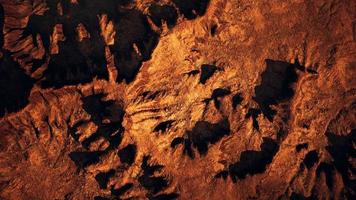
<point>252,162</point>
<point>159,13</point>
<point>132,29</point>
<point>219,93</point>
<point>83,159</point>
<point>302,146</point>
<point>120,191</point>
<point>341,148</point>
<point>253,113</point>
<point>163,126</point>
<point>148,169</point>
<point>82,61</point>
<point>176,141</point>
<point>100,110</point>
<point>71,66</point>
<point>77,61</point>
<point>41,25</point>
<point>203,134</point>
<point>191,8</point>
<point>37,63</point>
<point>2,19</point>
<point>153,184</point>
<point>213,29</point>
<point>296,196</point>
<point>223,174</point>
<point>207,71</point>
<point>15,85</point>
<point>103,178</point>
<point>236,100</point>
<point>169,196</point>
<point>128,154</point>
<point>101,198</point>
<point>275,86</point>
<point>188,149</point>
<point>193,72</point>
<point>311,159</point>
<point>111,131</point>
<point>96,107</point>
<point>328,171</point>
<point>150,95</point>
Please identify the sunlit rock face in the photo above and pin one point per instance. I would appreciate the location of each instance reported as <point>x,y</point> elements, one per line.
<point>177,99</point>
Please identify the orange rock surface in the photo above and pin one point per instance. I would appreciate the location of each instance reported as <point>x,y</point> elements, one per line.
<point>177,99</point>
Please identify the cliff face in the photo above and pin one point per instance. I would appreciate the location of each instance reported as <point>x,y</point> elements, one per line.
<point>177,99</point>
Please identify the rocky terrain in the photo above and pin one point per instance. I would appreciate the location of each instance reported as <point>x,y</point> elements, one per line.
<point>177,99</point>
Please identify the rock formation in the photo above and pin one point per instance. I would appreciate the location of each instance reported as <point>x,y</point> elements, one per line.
<point>177,99</point>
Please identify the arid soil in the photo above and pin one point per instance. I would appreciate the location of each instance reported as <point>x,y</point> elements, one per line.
<point>177,99</point>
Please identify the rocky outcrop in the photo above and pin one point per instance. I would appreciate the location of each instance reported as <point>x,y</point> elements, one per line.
<point>177,99</point>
